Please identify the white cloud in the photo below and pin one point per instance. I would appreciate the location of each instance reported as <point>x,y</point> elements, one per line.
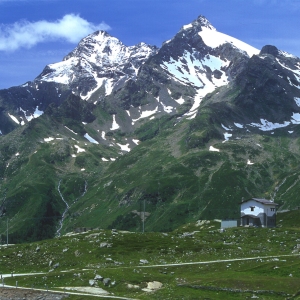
<point>27,34</point>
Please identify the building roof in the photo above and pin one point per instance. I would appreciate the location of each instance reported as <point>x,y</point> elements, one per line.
<point>263,201</point>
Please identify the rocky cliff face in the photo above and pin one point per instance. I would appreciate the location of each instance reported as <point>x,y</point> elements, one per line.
<point>141,79</point>
<point>99,61</point>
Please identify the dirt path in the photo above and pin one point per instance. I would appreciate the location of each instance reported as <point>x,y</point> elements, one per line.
<point>220,261</point>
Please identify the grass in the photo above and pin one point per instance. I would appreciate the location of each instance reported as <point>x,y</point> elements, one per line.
<point>259,261</point>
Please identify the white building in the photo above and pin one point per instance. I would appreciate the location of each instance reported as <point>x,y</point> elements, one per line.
<point>258,212</point>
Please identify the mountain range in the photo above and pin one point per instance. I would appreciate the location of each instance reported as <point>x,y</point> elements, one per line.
<point>150,138</point>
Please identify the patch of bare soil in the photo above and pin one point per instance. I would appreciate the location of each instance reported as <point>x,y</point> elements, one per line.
<point>24,294</point>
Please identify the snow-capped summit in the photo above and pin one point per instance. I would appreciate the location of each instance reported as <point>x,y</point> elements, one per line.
<point>201,57</point>
<point>213,38</point>
<point>200,22</point>
<point>99,60</point>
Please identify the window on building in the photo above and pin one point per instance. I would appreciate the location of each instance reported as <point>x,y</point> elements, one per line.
<point>272,208</point>
<point>252,208</point>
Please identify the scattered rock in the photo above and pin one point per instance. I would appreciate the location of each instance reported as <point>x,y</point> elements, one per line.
<point>37,249</point>
<point>153,286</point>
<point>106,281</point>
<point>90,290</point>
<point>202,222</point>
<point>132,286</point>
<point>56,265</point>
<point>77,253</point>
<point>187,234</point>
<point>104,244</point>
<point>92,282</point>
<point>98,277</point>
<point>144,261</point>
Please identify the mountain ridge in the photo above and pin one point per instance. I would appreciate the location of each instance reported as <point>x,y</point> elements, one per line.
<point>185,130</point>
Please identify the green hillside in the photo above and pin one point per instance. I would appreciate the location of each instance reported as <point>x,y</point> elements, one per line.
<point>172,173</point>
<point>196,261</point>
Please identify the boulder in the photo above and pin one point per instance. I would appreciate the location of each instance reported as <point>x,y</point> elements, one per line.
<point>144,261</point>
<point>98,277</point>
<point>56,265</point>
<point>106,281</point>
<point>153,286</point>
<point>92,282</point>
<point>105,245</point>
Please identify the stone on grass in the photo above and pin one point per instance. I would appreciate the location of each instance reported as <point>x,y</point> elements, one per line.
<point>105,245</point>
<point>106,281</point>
<point>144,261</point>
<point>98,277</point>
<point>92,282</point>
<point>56,265</point>
<point>132,286</point>
<point>153,286</point>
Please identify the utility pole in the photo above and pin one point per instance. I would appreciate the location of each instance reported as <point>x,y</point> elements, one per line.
<point>144,218</point>
<point>7,232</point>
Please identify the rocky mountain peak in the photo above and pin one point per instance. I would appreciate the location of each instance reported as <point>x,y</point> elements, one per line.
<point>198,24</point>
<point>269,49</point>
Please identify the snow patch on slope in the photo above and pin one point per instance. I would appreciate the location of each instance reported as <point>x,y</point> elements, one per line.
<point>212,38</point>
<point>114,125</point>
<point>212,148</point>
<point>145,114</point>
<point>14,118</point>
<point>90,139</point>
<point>190,70</point>
<point>265,125</point>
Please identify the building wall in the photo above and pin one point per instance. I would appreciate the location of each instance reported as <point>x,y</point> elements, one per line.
<point>266,214</point>
<point>228,223</point>
<point>246,208</point>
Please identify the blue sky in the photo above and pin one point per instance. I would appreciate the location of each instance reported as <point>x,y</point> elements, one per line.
<point>34,33</point>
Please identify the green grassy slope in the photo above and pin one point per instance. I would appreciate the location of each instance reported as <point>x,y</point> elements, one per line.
<point>196,261</point>
<point>172,173</point>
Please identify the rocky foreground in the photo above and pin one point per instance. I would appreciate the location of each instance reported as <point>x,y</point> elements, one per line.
<point>22,294</point>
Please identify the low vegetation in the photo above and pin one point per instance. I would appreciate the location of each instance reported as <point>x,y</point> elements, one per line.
<point>195,261</point>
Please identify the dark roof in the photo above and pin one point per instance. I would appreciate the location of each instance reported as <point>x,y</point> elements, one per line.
<point>263,201</point>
